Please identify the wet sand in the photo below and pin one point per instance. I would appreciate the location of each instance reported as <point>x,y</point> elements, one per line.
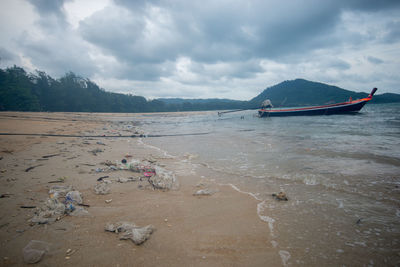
<point>222,229</point>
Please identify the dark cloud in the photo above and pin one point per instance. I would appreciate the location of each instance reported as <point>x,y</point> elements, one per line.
<point>372,5</point>
<point>393,32</point>
<point>339,64</point>
<point>7,56</point>
<point>47,7</point>
<point>52,16</point>
<point>59,54</point>
<point>158,31</point>
<point>375,60</point>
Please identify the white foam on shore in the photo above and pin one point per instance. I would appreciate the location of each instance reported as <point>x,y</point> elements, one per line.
<point>243,192</point>
<point>267,219</point>
<point>260,208</point>
<point>165,153</point>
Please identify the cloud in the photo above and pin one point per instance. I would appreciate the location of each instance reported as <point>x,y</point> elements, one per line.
<point>6,55</point>
<point>47,7</point>
<point>375,60</point>
<point>206,49</point>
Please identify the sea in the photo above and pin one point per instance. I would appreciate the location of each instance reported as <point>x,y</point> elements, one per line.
<point>340,173</point>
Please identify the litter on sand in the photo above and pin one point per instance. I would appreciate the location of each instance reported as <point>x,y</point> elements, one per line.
<point>127,230</point>
<point>35,250</point>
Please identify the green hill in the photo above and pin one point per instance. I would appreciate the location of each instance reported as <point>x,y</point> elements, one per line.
<point>301,92</point>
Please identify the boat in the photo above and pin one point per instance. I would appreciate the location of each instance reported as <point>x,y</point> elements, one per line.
<point>349,107</point>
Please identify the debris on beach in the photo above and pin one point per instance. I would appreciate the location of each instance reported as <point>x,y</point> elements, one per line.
<point>205,192</point>
<point>32,167</point>
<point>135,166</point>
<point>63,200</point>
<point>74,197</point>
<point>108,163</point>
<point>163,179</point>
<point>280,196</point>
<point>102,177</point>
<point>57,191</point>
<point>78,212</point>
<point>35,250</point>
<point>127,230</point>
<point>158,177</point>
<point>59,180</point>
<point>102,188</point>
<point>96,151</point>
<point>126,180</point>
<point>151,159</point>
<point>51,210</point>
<point>50,156</point>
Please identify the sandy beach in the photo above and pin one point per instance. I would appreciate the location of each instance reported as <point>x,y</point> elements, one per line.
<point>220,229</point>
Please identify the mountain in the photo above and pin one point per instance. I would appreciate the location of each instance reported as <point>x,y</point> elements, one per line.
<point>386,98</point>
<point>301,92</point>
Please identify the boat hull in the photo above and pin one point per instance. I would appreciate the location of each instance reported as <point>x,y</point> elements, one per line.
<point>343,108</point>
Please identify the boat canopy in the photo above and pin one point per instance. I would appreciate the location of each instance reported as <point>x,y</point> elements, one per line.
<point>266,104</point>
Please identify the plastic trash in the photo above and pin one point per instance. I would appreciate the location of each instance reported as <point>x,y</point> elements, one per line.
<point>164,179</point>
<point>74,197</point>
<point>149,174</point>
<point>128,230</point>
<point>49,212</point>
<point>126,180</point>
<point>69,208</point>
<point>79,211</point>
<point>58,191</point>
<point>35,250</point>
<point>135,166</point>
<point>102,189</point>
<point>205,192</point>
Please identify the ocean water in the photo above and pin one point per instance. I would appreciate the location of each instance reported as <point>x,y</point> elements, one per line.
<point>341,174</point>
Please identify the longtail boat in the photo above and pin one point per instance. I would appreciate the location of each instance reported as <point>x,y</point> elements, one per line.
<point>351,106</point>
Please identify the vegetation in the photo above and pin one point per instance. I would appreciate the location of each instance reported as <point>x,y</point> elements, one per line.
<point>22,91</point>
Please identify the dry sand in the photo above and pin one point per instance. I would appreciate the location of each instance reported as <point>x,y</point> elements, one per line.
<point>222,229</point>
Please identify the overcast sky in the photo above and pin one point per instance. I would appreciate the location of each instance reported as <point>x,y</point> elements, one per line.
<point>206,48</point>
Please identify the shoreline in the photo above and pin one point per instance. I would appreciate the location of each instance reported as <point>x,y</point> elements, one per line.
<point>220,229</point>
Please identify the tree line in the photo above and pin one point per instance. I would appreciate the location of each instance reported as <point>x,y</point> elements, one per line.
<point>22,91</point>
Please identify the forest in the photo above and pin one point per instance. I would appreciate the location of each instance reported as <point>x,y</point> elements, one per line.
<point>22,91</point>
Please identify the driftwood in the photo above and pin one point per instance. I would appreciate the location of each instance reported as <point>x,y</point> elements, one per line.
<point>32,167</point>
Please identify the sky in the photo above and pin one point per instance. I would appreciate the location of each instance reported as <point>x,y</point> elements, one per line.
<point>206,48</point>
